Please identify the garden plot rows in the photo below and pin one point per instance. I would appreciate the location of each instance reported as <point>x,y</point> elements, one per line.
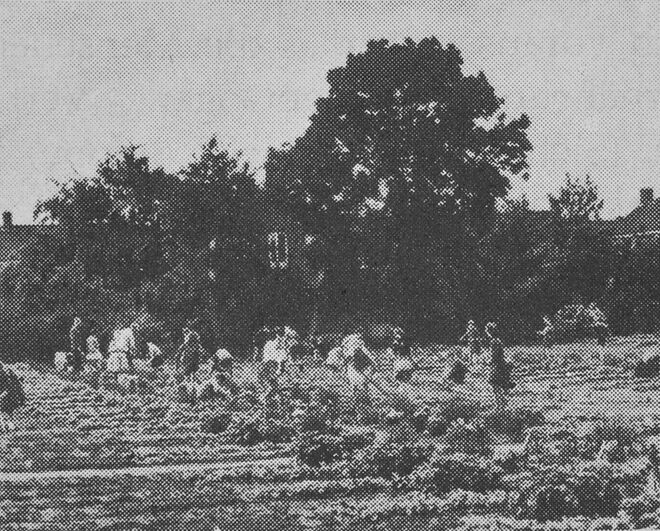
<point>143,462</point>
<point>68,426</point>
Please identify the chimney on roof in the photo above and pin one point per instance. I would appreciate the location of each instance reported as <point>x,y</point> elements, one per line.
<point>646,196</point>
<point>7,219</point>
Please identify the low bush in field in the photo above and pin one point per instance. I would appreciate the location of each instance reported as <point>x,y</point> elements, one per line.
<point>648,367</point>
<point>459,407</point>
<point>623,439</point>
<point>320,489</point>
<point>587,491</point>
<point>216,422</point>
<point>468,438</point>
<point>389,460</point>
<point>513,422</point>
<point>316,449</point>
<point>255,428</point>
<point>641,509</point>
<point>444,473</point>
<point>436,425</point>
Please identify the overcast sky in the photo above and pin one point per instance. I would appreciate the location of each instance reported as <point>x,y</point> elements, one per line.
<point>78,80</point>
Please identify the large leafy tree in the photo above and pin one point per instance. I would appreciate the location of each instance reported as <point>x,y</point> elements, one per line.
<point>405,131</point>
<point>578,266</point>
<point>211,195</point>
<point>408,143</point>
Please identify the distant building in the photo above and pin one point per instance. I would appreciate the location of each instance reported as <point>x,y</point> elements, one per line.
<point>641,227</point>
<point>18,243</point>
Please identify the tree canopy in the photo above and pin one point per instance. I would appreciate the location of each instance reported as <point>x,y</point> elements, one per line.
<point>406,132</point>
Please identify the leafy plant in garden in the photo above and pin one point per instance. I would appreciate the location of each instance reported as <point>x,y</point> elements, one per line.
<point>588,491</point>
<point>254,427</point>
<point>389,460</point>
<point>513,422</point>
<point>216,422</point>
<point>459,407</point>
<point>468,437</point>
<point>444,473</point>
<point>315,449</point>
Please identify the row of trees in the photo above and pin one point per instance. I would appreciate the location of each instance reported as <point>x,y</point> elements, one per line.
<point>403,176</point>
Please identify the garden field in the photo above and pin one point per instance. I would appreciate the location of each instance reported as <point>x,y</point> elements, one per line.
<point>427,456</point>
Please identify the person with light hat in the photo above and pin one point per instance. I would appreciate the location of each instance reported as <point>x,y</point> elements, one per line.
<point>500,372</point>
<point>471,339</point>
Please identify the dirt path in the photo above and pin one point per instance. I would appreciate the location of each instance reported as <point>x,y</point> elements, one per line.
<point>18,477</point>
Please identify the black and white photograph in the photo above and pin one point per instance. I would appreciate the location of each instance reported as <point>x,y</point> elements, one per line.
<point>329,265</point>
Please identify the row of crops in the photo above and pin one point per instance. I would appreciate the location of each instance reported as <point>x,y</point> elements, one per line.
<point>82,458</point>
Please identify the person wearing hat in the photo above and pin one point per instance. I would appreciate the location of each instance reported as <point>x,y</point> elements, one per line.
<point>402,351</point>
<point>190,355</point>
<point>77,358</point>
<point>222,369</point>
<point>500,372</point>
<point>471,339</point>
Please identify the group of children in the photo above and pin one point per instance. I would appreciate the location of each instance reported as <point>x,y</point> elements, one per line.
<point>353,357</point>
<point>122,350</point>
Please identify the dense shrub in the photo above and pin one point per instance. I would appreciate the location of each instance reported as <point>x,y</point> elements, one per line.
<point>640,506</point>
<point>315,449</point>
<point>216,422</point>
<point>513,422</point>
<point>468,438</point>
<point>389,460</point>
<point>625,435</point>
<point>588,491</point>
<point>436,425</point>
<point>254,428</point>
<point>459,407</point>
<point>647,367</point>
<point>356,439</point>
<point>444,473</point>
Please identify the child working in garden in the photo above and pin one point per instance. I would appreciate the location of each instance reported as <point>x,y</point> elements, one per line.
<point>500,371</point>
<point>471,339</point>
<point>402,352</point>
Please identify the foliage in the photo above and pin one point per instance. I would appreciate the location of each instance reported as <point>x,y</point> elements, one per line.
<point>468,437</point>
<point>404,141</point>
<point>323,489</point>
<point>255,427</point>
<point>640,506</point>
<point>578,201</point>
<point>444,473</point>
<point>406,117</point>
<point>216,423</point>
<point>389,460</point>
<point>513,422</point>
<point>315,449</point>
<point>459,406</point>
<point>588,490</point>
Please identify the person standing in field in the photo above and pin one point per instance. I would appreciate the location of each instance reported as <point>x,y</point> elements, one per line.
<point>471,339</point>
<point>402,351</point>
<point>122,350</point>
<point>77,348</point>
<point>358,366</point>
<point>94,354</point>
<point>600,328</point>
<point>546,339</point>
<point>190,355</point>
<point>155,356</point>
<point>500,371</point>
<point>12,396</point>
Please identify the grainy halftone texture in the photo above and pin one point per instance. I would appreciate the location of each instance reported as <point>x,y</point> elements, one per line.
<point>371,319</point>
